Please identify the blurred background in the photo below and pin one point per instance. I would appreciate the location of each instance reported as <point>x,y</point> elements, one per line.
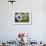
<point>10,31</point>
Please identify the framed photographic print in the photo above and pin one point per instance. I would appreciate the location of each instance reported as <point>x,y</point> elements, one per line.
<point>23,18</point>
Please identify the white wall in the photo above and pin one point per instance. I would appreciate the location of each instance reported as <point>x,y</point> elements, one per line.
<point>37,30</point>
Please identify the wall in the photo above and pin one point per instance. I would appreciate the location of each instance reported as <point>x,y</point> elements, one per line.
<point>9,31</point>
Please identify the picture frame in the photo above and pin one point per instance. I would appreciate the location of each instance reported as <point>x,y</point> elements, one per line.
<point>23,18</point>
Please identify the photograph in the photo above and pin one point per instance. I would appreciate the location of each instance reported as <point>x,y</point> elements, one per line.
<point>22,18</point>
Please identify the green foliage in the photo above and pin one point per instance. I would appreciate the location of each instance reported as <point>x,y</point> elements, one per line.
<point>25,18</point>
